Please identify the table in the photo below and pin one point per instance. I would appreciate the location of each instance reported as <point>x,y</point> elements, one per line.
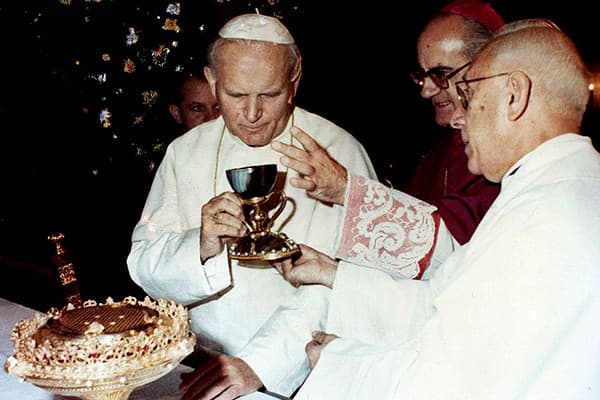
<point>12,388</point>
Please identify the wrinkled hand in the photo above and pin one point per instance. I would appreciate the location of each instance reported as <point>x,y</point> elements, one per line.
<point>311,267</point>
<point>222,219</point>
<point>320,175</point>
<point>221,378</point>
<point>315,347</point>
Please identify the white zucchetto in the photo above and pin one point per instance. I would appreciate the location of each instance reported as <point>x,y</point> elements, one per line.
<point>256,27</point>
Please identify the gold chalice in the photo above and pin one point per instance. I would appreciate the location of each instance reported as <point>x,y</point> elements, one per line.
<point>255,185</point>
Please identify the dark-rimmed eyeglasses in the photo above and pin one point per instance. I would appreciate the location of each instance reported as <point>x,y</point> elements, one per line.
<point>465,94</point>
<point>439,75</point>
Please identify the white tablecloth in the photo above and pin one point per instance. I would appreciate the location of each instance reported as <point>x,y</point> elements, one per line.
<point>11,388</point>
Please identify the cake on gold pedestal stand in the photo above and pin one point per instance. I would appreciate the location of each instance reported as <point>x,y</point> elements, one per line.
<point>101,351</point>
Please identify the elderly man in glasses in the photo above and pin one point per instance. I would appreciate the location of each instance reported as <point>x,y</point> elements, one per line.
<point>451,201</point>
<point>512,314</point>
<point>445,48</point>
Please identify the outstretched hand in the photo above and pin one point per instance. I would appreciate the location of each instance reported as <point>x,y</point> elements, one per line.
<point>311,267</point>
<point>320,175</point>
<point>220,378</point>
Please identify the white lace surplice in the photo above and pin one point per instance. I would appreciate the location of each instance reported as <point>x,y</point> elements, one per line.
<point>387,229</point>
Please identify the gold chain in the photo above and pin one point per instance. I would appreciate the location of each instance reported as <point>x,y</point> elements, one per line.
<point>217,161</point>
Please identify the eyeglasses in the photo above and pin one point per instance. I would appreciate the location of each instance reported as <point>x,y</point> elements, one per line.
<point>465,94</point>
<point>439,75</point>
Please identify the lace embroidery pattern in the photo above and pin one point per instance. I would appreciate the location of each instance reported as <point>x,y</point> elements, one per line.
<point>386,229</point>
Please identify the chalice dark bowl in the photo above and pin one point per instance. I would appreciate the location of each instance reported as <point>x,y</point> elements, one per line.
<point>253,181</point>
<point>255,185</point>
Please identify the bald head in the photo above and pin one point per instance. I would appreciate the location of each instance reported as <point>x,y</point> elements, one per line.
<point>525,87</point>
<point>446,43</point>
<point>526,23</point>
<point>456,31</point>
<point>552,62</point>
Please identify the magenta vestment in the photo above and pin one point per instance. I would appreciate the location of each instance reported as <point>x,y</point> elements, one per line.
<point>442,179</point>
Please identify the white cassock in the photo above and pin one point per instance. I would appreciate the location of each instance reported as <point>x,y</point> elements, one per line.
<point>513,314</point>
<point>165,256</point>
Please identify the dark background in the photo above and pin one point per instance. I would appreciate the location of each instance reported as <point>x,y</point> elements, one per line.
<point>62,171</point>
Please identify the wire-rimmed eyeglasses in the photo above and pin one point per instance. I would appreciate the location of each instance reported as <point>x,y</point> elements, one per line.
<point>439,75</point>
<point>464,94</point>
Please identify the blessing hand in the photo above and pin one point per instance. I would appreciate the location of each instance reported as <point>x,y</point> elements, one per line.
<point>320,175</point>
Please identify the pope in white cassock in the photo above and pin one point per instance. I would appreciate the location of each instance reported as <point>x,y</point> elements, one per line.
<point>515,312</point>
<point>178,247</point>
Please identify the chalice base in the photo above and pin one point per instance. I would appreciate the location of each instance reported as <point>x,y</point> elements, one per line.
<point>263,246</point>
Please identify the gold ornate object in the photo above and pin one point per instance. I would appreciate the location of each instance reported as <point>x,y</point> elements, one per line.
<point>66,271</point>
<point>255,185</point>
<point>266,246</point>
<point>101,351</point>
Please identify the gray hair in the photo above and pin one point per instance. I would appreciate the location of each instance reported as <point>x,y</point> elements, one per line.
<point>526,23</point>
<point>294,59</point>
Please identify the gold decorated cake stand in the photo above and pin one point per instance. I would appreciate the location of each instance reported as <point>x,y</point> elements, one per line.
<point>101,351</point>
